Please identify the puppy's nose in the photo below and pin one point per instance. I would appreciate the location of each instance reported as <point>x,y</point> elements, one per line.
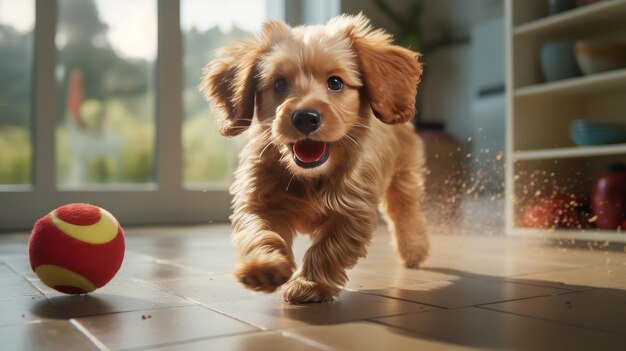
<point>306,121</point>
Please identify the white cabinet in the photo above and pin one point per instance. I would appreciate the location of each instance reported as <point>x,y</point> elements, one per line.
<point>541,158</point>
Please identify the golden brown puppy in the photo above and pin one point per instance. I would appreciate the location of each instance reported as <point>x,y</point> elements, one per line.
<point>326,107</point>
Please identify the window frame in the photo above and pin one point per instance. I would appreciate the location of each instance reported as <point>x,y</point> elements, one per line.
<point>165,201</point>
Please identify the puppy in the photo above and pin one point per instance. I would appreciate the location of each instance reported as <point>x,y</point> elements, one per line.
<point>326,107</point>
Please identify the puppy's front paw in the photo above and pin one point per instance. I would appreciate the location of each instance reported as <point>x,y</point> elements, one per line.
<point>413,255</point>
<point>300,290</point>
<point>265,272</point>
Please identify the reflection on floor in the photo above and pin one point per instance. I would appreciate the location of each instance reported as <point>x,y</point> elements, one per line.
<point>175,292</point>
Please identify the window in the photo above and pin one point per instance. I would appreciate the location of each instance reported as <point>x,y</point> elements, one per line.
<point>17,22</point>
<point>107,111</point>
<point>106,55</point>
<point>208,158</point>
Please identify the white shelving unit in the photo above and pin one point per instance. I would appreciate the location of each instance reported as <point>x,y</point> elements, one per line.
<point>541,157</point>
<point>570,152</point>
<point>600,82</point>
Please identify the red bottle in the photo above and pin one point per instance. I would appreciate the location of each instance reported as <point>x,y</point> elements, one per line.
<point>608,199</point>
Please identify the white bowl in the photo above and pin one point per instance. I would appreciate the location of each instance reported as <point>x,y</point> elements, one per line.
<point>595,56</point>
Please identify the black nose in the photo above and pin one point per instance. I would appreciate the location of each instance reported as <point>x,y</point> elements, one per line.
<point>306,121</point>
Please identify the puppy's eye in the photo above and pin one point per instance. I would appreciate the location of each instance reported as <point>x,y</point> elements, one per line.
<point>335,83</point>
<point>280,85</point>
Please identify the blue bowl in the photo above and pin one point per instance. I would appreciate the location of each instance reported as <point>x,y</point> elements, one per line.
<point>558,61</point>
<point>588,133</point>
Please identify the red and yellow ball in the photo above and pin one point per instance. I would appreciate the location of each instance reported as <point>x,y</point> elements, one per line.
<point>76,248</point>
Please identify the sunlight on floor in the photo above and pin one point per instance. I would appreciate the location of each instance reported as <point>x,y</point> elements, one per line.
<point>175,291</point>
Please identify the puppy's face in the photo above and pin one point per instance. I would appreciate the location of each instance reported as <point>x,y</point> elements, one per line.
<point>313,89</point>
<point>308,91</point>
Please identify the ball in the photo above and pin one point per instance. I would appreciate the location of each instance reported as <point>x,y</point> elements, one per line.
<point>76,248</point>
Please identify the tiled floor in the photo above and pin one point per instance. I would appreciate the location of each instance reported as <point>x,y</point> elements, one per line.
<point>175,292</point>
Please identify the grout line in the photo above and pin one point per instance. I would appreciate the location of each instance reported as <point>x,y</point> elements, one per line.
<point>259,327</point>
<point>13,270</point>
<point>406,300</point>
<point>187,341</point>
<point>27,322</point>
<point>580,326</point>
<point>265,329</point>
<point>41,293</point>
<point>545,286</point>
<point>305,340</point>
<point>565,292</point>
<point>169,262</point>
<point>431,337</point>
<point>58,305</point>
<point>88,335</point>
<point>198,303</point>
<point>507,277</point>
<point>155,308</point>
<point>554,271</point>
<point>527,298</point>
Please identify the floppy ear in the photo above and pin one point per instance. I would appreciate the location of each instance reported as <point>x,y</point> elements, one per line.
<point>229,84</point>
<point>390,73</point>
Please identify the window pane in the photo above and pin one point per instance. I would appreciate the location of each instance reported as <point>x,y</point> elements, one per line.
<point>208,157</point>
<point>106,114</point>
<point>17,21</point>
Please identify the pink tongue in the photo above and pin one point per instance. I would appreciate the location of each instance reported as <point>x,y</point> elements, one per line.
<point>309,150</point>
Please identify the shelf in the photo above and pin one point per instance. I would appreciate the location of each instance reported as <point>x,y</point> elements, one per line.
<point>591,84</point>
<point>576,22</point>
<point>570,152</point>
<point>539,113</point>
<point>565,234</point>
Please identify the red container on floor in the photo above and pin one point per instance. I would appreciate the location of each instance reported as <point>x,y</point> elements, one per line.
<point>608,199</point>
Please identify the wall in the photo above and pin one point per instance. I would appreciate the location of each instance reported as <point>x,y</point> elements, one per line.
<point>446,89</point>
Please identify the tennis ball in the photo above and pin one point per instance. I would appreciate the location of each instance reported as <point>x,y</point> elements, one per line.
<point>76,248</point>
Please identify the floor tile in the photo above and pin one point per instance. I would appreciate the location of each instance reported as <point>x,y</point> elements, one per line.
<point>366,336</point>
<point>527,250</point>
<point>531,295</point>
<point>15,286</point>
<point>49,335</point>
<point>501,266</point>
<point>132,256</point>
<point>496,267</point>
<point>200,260</point>
<point>163,326</point>
<point>598,309</point>
<point>24,309</point>
<point>206,289</point>
<point>176,248</point>
<point>585,278</point>
<point>585,257</point>
<point>485,329</point>
<point>161,243</point>
<point>152,270</point>
<point>10,249</point>
<point>466,292</point>
<point>117,296</point>
<point>21,265</point>
<point>405,276</point>
<point>5,272</point>
<point>367,280</point>
<point>273,341</point>
<point>214,233</point>
<point>271,312</point>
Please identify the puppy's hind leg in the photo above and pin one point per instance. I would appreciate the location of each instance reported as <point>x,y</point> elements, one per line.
<point>401,206</point>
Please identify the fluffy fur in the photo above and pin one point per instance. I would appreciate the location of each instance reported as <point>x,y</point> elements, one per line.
<point>375,156</point>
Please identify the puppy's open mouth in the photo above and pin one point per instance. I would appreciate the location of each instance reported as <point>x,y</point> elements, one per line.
<point>309,153</point>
